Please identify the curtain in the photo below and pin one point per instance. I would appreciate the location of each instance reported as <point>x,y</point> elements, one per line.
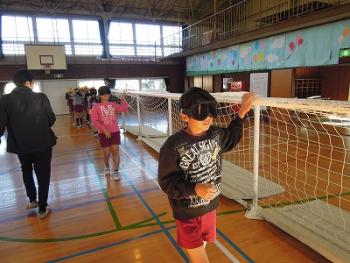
<point>103,36</point>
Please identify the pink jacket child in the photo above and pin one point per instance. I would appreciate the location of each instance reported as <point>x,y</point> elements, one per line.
<point>104,115</point>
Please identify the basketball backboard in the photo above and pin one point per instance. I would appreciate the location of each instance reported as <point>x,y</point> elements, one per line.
<point>42,57</point>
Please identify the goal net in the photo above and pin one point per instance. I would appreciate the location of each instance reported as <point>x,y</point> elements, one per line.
<point>291,166</point>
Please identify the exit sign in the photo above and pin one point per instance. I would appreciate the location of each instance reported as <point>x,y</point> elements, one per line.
<point>344,55</point>
<point>58,76</point>
<point>344,52</point>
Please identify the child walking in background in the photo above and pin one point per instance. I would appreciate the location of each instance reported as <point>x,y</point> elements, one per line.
<point>189,169</point>
<point>104,116</point>
<point>92,100</point>
<point>78,107</point>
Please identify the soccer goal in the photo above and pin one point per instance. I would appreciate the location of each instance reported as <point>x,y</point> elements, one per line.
<point>291,167</point>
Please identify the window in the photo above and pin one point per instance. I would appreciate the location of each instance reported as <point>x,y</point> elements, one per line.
<point>127,84</point>
<point>147,34</point>
<point>53,30</point>
<point>172,36</point>
<point>147,37</point>
<point>149,51</point>
<point>17,28</point>
<point>116,50</point>
<point>91,83</point>
<point>16,31</point>
<point>10,86</point>
<point>121,39</point>
<point>89,50</point>
<point>86,36</point>
<point>85,31</point>
<point>120,33</point>
<point>153,84</point>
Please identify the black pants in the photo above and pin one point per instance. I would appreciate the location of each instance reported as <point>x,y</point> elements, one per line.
<point>41,162</point>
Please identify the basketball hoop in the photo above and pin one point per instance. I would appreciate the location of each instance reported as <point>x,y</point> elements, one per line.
<point>46,61</point>
<point>47,68</point>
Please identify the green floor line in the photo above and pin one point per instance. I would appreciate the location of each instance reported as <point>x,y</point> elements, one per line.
<point>141,223</point>
<point>232,212</point>
<point>106,196</point>
<point>137,225</point>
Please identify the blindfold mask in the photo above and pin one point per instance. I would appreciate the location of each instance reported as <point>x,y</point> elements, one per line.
<point>202,110</point>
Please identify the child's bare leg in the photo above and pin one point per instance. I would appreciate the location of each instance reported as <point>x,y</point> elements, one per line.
<point>198,255</point>
<point>116,157</point>
<point>106,155</point>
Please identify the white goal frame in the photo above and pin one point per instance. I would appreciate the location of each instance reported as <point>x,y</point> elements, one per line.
<point>291,167</point>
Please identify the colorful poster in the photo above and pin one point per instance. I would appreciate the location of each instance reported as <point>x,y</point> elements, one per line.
<point>245,56</point>
<point>314,46</point>
<point>232,58</point>
<point>275,51</point>
<point>259,49</point>
<point>317,43</point>
<point>294,52</point>
<point>340,39</point>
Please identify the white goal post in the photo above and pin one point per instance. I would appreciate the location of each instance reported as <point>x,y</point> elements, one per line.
<point>291,167</point>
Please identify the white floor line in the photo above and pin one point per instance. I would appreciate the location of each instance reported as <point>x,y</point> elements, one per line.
<point>74,135</point>
<point>224,250</point>
<point>139,166</point>
<point>231,257</point>
<point>61,181</point>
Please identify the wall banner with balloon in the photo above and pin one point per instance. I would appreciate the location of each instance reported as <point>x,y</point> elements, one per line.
<point>314,46</point>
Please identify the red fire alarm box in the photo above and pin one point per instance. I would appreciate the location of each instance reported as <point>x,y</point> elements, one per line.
<point>237,86</point>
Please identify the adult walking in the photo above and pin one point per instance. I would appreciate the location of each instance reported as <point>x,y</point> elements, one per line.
<point>28,117</point>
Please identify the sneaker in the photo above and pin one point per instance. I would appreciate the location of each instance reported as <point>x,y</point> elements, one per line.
<point>32,204</point>
<point>107,172</point>
<point>116,175</point>
<point>43,215</point>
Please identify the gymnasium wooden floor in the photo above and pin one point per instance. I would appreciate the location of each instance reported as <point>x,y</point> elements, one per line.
<point>96,219</point>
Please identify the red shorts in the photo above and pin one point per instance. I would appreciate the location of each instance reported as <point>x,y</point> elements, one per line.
<point>78,108</point>
<point>192,233</point>
<point>107,142</point>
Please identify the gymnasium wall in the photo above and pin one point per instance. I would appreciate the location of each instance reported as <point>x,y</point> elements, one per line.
<point>175,72</point>
<point>56,91</point>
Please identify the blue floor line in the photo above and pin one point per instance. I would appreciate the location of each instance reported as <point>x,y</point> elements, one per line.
<point>165,231</point>
<point>106,246</point>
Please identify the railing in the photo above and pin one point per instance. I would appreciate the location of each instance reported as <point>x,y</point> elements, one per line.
<point>248,15</point>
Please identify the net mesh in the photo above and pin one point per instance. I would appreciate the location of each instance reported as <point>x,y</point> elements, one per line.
<point>303,158</point>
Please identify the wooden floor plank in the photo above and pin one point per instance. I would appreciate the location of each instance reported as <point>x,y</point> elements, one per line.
<point>96,219</point>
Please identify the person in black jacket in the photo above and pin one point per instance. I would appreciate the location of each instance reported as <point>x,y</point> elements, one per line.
<point>28,117</point>
<point>189,168</point>
<point>110,83</point>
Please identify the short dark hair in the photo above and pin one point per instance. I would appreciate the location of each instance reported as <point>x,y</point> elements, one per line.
<point>103,90</point>
<point>194,96</point>
<point>21,77</point>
